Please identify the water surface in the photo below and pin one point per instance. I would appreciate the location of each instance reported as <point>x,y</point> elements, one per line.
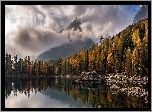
<point>60,93</point>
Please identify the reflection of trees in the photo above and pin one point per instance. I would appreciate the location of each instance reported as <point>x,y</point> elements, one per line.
<point>98,96</point>
<point>8,88</point>
<point>84,94</point>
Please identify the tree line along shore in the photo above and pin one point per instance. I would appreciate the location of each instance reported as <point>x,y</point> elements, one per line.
<point>126,52</point>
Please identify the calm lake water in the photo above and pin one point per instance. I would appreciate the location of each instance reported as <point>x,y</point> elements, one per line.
<point>55,92</point>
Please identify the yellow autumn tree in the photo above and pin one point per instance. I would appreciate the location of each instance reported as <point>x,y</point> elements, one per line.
<point>128,61</point>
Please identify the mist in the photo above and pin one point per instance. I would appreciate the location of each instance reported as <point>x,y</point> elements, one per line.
<point>30,30</point>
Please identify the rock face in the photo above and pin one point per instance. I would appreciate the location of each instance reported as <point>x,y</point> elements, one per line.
<point>75,25</point>
<point>142,13</point>
<point>69,48</point>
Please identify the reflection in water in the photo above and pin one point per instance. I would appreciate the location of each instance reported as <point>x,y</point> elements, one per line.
<point>60,93</point>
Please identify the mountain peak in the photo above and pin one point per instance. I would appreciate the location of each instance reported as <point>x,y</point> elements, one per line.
<point>142,13</point>
<point>75,25</point>
<point>69,48</point>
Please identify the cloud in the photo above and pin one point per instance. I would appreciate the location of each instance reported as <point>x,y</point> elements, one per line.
<point>32,41</point>
<point>31,29</point>
<point>44,101</point>
<point>105,19</point>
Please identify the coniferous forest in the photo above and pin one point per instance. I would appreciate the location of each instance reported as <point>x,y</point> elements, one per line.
<point>126,52</point>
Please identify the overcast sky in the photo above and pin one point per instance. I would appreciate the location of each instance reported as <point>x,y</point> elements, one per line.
<point>30,30</point>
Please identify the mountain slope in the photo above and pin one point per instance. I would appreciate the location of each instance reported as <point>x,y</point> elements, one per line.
<point>66,49</point>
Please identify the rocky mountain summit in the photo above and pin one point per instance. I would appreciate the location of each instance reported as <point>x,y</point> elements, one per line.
<point>142,13</point>
<point>69,48</point>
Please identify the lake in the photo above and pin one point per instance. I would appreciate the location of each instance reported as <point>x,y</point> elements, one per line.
<point>57,92</point>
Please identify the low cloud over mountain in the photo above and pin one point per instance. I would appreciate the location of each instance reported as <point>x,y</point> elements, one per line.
<point>30,30</point>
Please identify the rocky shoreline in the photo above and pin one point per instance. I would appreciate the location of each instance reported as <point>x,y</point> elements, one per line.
<point>118,79</point>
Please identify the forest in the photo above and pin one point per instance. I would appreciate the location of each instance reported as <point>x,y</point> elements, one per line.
<point>126,52</point>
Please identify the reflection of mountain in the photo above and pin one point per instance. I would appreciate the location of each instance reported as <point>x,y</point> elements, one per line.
<point>142,13</point>
<point>66,49</point>
<point>63,97</point>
